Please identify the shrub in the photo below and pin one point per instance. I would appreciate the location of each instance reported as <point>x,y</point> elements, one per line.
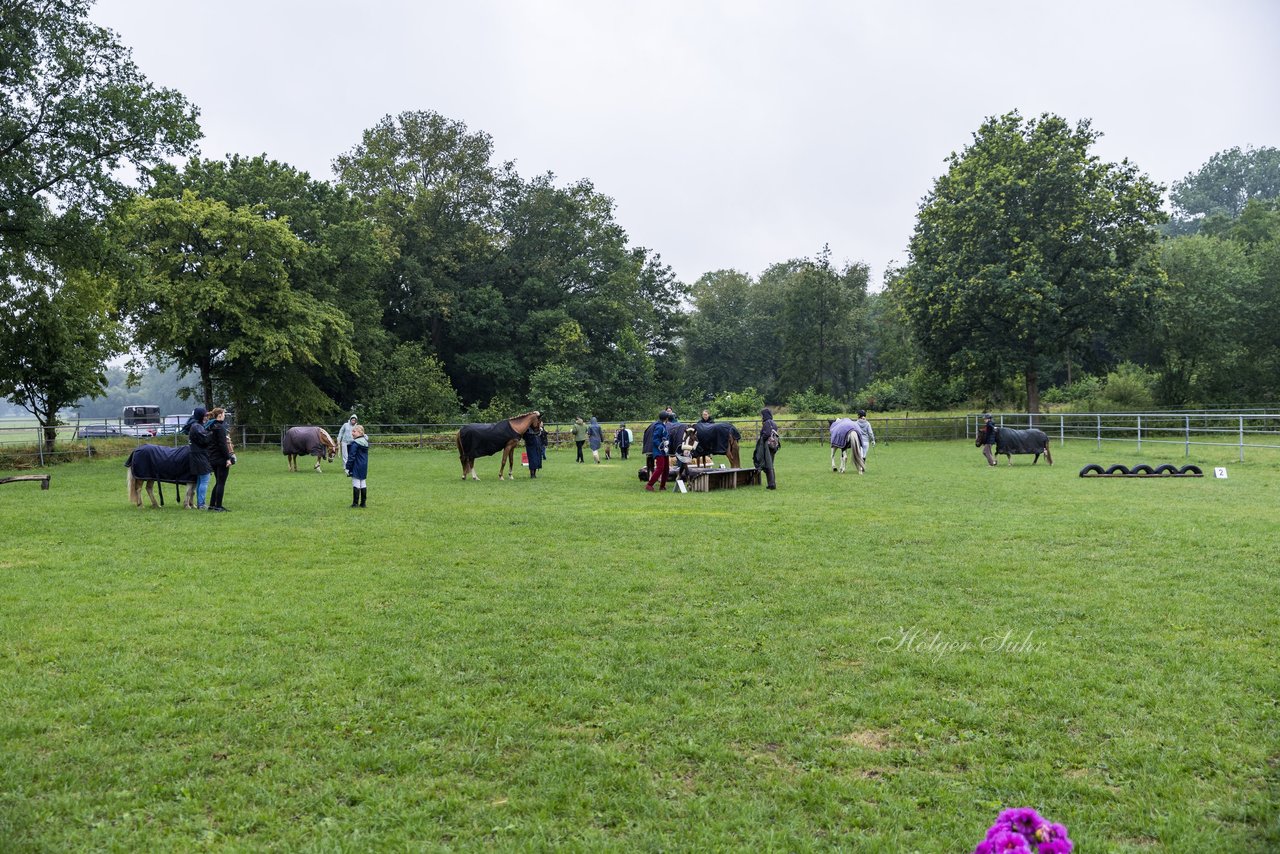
<point>930,390</point>
<point>738,404</point>
<point>1082,394</point>
<point>811,402</point>
<point>884,395</point>
<point>1128,387</point>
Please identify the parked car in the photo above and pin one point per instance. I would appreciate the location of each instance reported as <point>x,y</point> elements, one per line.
<point>114,431</point>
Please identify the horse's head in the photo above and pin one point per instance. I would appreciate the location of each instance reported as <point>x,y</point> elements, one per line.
<point>536,423</point>
<point>980,436</point>
<point>330,446</point>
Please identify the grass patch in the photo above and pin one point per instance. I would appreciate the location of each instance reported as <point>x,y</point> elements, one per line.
<point>878,662</point>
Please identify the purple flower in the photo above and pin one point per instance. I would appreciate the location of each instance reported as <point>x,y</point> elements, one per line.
<point>1024,820</point>
<point>1007,842</point>
<point>1056,846</point>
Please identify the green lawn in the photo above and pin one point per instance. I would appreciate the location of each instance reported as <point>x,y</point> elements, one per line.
<point>875,663</point>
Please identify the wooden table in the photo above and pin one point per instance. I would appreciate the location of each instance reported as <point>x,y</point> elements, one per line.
<point>705,480</point>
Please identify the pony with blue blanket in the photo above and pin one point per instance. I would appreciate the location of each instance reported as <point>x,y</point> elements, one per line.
<point>1009,441</point>
<point>151,464</point>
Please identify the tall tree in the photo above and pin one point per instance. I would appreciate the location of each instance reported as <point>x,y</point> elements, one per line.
<point>1195,318</point>
<point>429,182</point>
<point>821,326</point>
<point>75,116</point>
<point>1025,247</point>
<point>719,326</point>
<point>212,296</point>
<point>345,253</point>
<point>1223,186</point>
<point>54,344</point>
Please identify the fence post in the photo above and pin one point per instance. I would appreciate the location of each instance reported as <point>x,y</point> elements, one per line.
<point>1099,419</point>
<point>1062,430</point>
<point>1241,438</point>
<point>1187,452</point>
<point>1139,434</point>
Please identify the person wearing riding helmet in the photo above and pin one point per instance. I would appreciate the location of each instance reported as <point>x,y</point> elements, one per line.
<point>989,438</point>
<point>866,436</point>
<point>767,445</point>
<point>198,440</point>
<point>661,443</point>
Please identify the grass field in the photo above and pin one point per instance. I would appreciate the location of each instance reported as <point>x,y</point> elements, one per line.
<point>876,663</point>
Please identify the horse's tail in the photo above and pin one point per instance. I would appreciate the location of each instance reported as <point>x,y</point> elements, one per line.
<point>733,431</point>
<point>131,483</point>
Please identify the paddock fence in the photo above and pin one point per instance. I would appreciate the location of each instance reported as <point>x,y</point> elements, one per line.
<point>22,445</point>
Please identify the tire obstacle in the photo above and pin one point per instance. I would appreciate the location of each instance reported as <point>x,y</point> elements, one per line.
<point>1141,470</point>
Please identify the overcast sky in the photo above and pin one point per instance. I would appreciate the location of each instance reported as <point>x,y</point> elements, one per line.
<point>730,134</point>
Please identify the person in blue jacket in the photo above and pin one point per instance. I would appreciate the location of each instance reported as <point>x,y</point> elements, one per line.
<point>661,444</point>
<point>358,465</point>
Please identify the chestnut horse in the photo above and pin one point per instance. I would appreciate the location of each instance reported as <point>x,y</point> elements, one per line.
<point>482,440</point>
<point>306,441</point>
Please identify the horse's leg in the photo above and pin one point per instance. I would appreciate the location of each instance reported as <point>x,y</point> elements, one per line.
<point>833,458</point>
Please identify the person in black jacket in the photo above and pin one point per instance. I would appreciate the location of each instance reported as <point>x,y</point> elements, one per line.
<point>198,439</point>
<point>221,456</point>
<point>766,446</point>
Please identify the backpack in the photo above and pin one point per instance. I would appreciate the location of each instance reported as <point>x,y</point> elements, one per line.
<point>774,441</point>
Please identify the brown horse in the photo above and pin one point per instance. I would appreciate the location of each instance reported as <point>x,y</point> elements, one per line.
<point>699,441</point>
<point>482,440</point>
<point>306,441</point>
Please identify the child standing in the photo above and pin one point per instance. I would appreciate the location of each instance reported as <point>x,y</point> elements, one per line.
<point>358,465</point>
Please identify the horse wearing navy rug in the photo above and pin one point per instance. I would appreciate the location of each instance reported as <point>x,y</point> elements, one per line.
<point>1010,441</point>
<point>706,438</point>
<point>307,442</point>
<point>151,464</point>
<point>483,440</point>
<point>847,439</point>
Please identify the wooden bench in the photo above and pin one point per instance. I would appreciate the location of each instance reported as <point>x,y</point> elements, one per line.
<point>43,478</point>
<point>705,480</point>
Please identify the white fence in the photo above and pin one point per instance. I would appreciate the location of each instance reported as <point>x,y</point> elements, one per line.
<point>1238,429</point>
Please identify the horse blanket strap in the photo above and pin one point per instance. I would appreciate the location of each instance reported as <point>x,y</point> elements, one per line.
<point>840,430</point>
<point>302,441</point>
<point>482,440</point>
<point>714,438</point>
<point>156,462</point>
<point>1009,441</point>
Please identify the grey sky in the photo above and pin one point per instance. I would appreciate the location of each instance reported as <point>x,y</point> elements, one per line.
<point>730,134</point>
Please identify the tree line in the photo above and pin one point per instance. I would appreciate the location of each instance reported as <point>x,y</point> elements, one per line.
<point>428,282</point>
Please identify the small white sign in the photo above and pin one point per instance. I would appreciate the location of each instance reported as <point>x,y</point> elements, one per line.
<point>1220,472</point>
<point>680,486</point>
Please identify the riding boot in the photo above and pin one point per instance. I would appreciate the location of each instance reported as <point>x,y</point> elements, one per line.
<point>364,493</point>
<point>355,496</point>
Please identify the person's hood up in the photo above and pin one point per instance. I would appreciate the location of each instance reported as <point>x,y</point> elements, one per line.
<point>766,414</point>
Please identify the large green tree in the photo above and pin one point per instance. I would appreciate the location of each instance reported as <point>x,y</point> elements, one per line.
<point>54,344</point>
<point>1194,336</point>
<point>344,253</point>
<point>76,117</point>
<point>211,294</point>
<point>823,322</point>
<point>1223,186</point>
<point>1026,247</point>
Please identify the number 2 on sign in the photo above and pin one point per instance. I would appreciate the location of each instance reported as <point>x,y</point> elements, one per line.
<point>1220,472</point>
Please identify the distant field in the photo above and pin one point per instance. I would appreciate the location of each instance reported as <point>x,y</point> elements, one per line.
<point>876,663</point>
